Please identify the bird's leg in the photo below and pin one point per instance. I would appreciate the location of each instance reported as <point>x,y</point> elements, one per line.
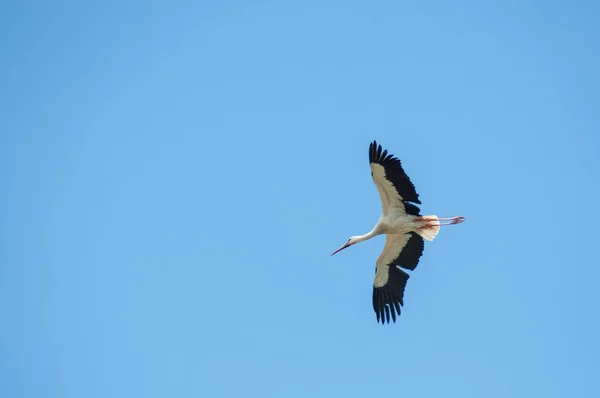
<point>454,220</point>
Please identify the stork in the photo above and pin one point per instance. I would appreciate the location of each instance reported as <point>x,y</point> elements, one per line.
<point>404,229</point>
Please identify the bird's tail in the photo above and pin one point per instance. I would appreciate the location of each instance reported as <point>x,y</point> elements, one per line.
<point>431,228</point>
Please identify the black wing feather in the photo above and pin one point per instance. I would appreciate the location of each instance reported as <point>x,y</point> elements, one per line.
<point>395,174</point>
<point>411,209</point>
<point>390,296</point>
<point>411,253</point>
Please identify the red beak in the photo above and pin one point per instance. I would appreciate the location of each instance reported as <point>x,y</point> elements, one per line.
<point>341,248</point>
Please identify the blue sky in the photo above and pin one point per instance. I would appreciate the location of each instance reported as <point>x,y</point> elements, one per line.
<point>175,176</point>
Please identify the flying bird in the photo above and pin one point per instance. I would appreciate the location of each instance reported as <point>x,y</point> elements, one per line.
<point>404,229</point>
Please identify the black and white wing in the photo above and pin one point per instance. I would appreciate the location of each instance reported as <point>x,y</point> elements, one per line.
<point>395,188</point>
<point>400,250</point>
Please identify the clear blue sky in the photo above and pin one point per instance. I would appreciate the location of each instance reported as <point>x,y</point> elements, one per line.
<point>175,176</point>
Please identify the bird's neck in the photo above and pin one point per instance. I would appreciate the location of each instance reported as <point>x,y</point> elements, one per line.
<point>374,232</point>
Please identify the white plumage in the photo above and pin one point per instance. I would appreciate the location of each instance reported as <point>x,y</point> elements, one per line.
<point>404,228</point>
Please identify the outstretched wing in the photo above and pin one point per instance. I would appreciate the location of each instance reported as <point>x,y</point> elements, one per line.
<point>400,250</point>
<point>395,188</point>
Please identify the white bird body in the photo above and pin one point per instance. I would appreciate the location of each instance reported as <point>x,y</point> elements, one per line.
<point>404,228</point>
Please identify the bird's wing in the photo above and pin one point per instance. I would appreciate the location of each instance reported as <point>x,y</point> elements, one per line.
<point>394,186</point>
<point>402,250</point>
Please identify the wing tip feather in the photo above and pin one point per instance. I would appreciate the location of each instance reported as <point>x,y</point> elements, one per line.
<point>390,297</point>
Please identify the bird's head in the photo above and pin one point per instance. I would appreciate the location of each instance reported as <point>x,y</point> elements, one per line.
<point>350,242</point>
